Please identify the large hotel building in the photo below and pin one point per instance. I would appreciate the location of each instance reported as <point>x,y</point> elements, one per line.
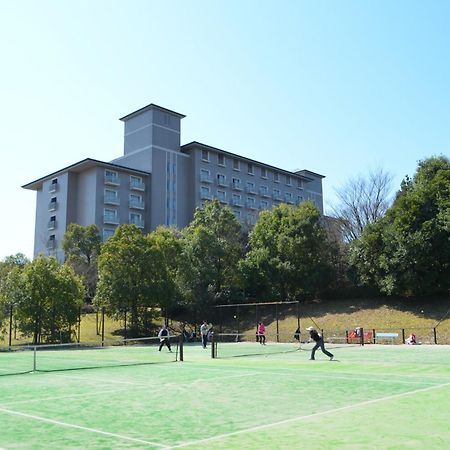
<point>160,182</point>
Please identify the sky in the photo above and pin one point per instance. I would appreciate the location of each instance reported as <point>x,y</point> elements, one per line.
<point>336,87</point>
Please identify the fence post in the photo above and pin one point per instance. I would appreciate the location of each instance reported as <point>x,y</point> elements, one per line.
<point>278,329</point>
<point>10,324</point>
<point>213,345</point>
<point>79,325</point>
<point>361,338</point>
<point>435,335</point>
<point>346,336</point>
<point>103,325</point>
<point>403,335</point>
<point>374,338</point>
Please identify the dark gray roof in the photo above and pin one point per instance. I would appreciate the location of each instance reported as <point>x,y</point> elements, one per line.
<point>303,176</point>
<point>80,166</point>
<point>151,106</point>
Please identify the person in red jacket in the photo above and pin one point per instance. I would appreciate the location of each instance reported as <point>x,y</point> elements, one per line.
<point>261,333</point>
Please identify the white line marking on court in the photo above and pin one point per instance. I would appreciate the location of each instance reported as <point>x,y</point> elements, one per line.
<point>310,416</point>
<point>79,427</point>
<point>59,397</point>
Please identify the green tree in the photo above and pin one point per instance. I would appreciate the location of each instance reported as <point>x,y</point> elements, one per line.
<point>289,254</point>
<point>213,246</point>
<point>48,300</point>
<point>126,273</point>
<point>10,270</point>
<point>408,251</point>
<point>81,247</point>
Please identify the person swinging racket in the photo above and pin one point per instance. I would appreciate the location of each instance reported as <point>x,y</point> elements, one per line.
<point>318,339</point>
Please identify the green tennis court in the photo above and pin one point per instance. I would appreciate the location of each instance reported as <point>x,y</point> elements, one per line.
<point>371,397</point>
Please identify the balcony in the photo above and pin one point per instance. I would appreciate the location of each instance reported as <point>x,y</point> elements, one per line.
<point>136,204</point>
<point>276,197</point>
<point>221,182</point>
<point>51,244</point>
<point>111,200</point>
<point>205,179</point>
<point>112,179</point>
<point>53,206</point>
<point>251,205</point>
<point>264,193</point>
<point>205,195</point>
<point>53,187</point>
<point>111,219</point>
<point>138,222</point>
<point>236,186</point>
<point>51,225</point>
<point>236,202</point>
<point>137,185</point>
<point>223,200</point>
<point>250,190</point>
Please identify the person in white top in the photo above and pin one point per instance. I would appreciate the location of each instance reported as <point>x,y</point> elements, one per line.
<point>204,328</point>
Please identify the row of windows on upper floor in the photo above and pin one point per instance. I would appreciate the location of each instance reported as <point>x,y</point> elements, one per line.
<point>221,180</point>
<point>111,177</point>
<point>251,202</point>
<point>263,171</point>
<point>111,216</point>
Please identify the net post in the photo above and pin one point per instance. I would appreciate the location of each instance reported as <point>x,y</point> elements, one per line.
<point>403,335</point>
<point>346,336</point>
<point>181,347</point>
<point>10,324</point>
<point>435,335</point>
<point>278,329</point>
<point>34,358</point>
<point>213,347</point>
<point>361,338</point>
<point>103,326</point>
<point>79,325</point>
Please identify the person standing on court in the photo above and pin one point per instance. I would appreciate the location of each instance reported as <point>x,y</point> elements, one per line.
<point>164,337</point>
<point>204,329</point>
<point>318,339</point>
<point>261,333</point>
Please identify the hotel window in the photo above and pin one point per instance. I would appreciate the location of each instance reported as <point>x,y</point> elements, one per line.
<point>299,199</point>
<point>250,169</point>
<point>205,193</point>
<point>251,187</point>
<point>221,159</point>
<point>299,183</point>
<point>251,202</point>
<point>53,185</point>
<point>237,213</point>
<point>136,201</point>
<point>221,179</point>
<point>236,200</point>
<point>288,180</point>
<point>236,183</point>
<point>52,223</point>
<point>136,219</point>
<point>111,177</point>
<point>264,204</point>
<point>222,196</point>
<point>288,197</point>
<point>136,182</point>
<point>276,177</point>
<point>110,215</point>
<point>204,176</point>
<point>205,155</point>
<point>107,233</point>
<point>276,194</point>
<point>111,196</point>
<point>236,164</point>
<point>264,191</point>
<point>263,172</point>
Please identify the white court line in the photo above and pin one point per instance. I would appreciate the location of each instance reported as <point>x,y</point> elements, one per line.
<point>79,427</point>
<point>60,397</point>
<point>310,416</point>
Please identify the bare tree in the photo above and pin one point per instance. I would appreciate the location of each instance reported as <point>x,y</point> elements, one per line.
<point>362,200</point>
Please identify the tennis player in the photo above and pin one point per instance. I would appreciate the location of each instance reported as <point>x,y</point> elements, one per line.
<point>164,336</point>
<point>315,336</point>
<point>204,329</point>
<point>261,333</point>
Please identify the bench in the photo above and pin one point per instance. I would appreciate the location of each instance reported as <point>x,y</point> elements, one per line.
<point>390,336</point>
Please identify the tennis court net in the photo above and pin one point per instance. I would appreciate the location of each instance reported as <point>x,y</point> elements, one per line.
<point>73,356</point>
<point>229,345</point>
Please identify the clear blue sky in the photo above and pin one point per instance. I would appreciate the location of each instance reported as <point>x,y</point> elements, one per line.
<point>336,87</point>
